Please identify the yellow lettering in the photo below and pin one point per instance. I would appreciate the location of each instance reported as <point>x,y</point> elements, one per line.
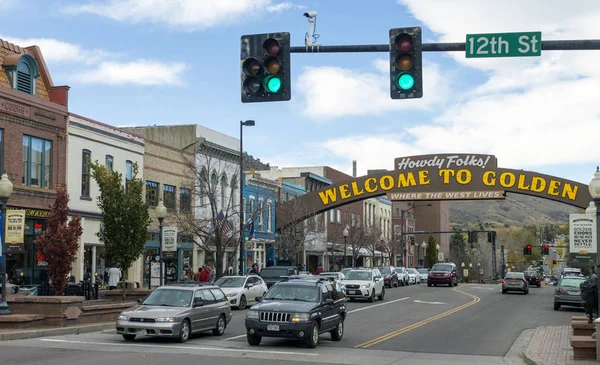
<point>424,177</point>
<point>569,191</point>
<point>371,185</point>
<point>327,195</point>
<point>445,173</point>
<point>507,179</point>
<point>407,180</point>
<point>355,189</point>
<point>489,178</point>
<point>552,187</point>
<point>538,184</point>
<point>522,185</point>
<point>344,194</point>
<point>463,177</point>
<point>386,182</point>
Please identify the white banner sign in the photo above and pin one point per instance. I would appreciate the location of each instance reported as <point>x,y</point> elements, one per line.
<point>169,247</point>
<point>582,229</point>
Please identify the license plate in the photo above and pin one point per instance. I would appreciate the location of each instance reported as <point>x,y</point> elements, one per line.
<point>272,327</point>
<point>351,292</point>
<point>141,333</point>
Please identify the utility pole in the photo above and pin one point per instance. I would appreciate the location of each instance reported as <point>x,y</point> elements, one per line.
<point>494,272</point>
<point>502,262</point>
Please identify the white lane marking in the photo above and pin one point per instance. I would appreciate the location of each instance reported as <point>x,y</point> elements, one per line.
<point>377,305</point>
<point>234,337</point>
<point>420,301</point>
<point>179,347</point>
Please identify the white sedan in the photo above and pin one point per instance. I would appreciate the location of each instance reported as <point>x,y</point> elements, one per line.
<point>423,273</point>
<point>242,290</point>
<point>413,276</point>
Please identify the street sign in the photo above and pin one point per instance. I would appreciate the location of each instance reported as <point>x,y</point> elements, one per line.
<point>525,44</point>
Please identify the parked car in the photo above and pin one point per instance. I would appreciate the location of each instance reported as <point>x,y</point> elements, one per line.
<point>402,275</point>
<point>345,270</point>
<point>443,273</point>
<point>241,290</point>
<point>300,309</point>
<point>338,276</point>
<point>275,274</point>
<point>177,312</point>
<point>515,281</point>
<point>423,273</point>
<point>364,284</point>
<point>568,292</point>
<point>413,276</point>
<point>390,276</point>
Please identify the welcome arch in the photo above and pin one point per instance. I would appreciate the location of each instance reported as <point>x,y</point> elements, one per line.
<point>436,177</point>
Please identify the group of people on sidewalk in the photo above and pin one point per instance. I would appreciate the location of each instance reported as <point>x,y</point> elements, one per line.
<point>205,274</point>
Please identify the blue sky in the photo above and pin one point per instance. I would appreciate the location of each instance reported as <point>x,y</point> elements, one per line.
<point>165,62</point>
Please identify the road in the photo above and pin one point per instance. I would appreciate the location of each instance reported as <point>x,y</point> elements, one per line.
<point>471,323</point>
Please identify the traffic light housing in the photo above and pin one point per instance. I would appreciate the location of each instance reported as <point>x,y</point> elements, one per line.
<point>265,67</point>
<point>546,250</point>
<point>470,237</point>
<point>527,250</point>
<point>406,71</point>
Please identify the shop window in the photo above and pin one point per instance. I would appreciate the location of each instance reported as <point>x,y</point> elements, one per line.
<point>184,200</point>
<point>152,193</point>
<point>86,158</point>
<point>22,74</point>
<point>36,162</point>
<point>108,162</point>
<point>224,186</point>
<point>128,173</point>
<point>169,196</point>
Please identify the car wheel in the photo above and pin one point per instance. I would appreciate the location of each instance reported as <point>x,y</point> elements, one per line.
<point>396,285</point>
<point>456,283</point>
<point>503,291</point>
<point>372,297</point>
<point>313,339</point>
<point>338,332</point>
<point>253,340</point>
<point>184,333</point>
<point>526,291</point>
<point>539,285</point>
<point>129,337</point>
<point>556,306</point>
<point>243,302</point>
<point>382,294</point>
<point>220,329</point>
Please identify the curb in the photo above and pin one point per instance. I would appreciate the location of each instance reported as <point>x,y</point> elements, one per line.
<point>75,330</point>
<point>527,360</point>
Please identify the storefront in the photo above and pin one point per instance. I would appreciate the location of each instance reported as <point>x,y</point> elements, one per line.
<point>255,253</point>
<point>173,265</point>
<point>24,263</point>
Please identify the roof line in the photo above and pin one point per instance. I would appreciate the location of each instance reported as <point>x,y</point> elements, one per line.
<point>106,125</point>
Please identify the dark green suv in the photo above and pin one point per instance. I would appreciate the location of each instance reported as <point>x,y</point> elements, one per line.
<point>301,309</point>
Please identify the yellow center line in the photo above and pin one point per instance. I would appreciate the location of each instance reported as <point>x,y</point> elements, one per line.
<point>403,330</point>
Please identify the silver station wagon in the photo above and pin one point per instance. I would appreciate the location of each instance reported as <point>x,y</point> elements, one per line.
<point>177,311</point>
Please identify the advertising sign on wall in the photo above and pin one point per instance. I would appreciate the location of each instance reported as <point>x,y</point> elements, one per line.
<point>582,237</point>
<point>15,231</point>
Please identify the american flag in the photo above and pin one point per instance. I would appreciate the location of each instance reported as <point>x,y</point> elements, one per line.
<point>223,223</point>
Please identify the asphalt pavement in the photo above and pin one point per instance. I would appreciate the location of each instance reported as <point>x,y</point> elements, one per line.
<point>413,325</point>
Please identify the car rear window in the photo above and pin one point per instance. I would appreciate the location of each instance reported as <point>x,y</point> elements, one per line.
<point>516,275</point>
<point>274,273</point>
<point>572,282</point>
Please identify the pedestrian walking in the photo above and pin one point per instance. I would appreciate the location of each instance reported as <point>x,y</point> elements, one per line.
<point>114,276</point>
<point>254,270</point>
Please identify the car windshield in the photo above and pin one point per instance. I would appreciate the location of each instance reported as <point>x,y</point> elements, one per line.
<point>410,271</point>
<point>274,273</point>
<point>359,275</point>
<point>423,271</point>
<point>385,270</point>
<point>169,298</point>
<point>399,269</point>
<point>441,267</point>
<point>301,293</point>
<point>572,282</point>
<point>230,282</point>
<point>345,271</point>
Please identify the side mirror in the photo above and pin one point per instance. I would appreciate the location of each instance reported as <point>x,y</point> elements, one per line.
<point>376,279</point>
<point>198,302</point>
<point>258,299</point>
<point>249,285</point>
<point>328,301</point>
<point>139,301</point>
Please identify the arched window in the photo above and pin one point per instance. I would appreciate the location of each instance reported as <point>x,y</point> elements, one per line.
<point>224,185</point>
<point>22,70</point>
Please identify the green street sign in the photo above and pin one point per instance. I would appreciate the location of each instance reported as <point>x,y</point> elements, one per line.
<point>526,44</point>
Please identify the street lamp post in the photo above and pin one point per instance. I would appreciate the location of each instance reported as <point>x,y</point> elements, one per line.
<point>462,264</point>
<point>424,245</point>
<point>479,272</point>
<point>437,252</point>
<point>6,188</point>
<point>595,193</point>
<point>161,213</point>
<point>418,254</point>
<point>402,242</point>
<point>345,234</point>
<point>248,123</point>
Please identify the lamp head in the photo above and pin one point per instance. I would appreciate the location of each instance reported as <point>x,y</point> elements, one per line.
<point>248,123</point>
<point>6,187</point>
<point>595,185</point>
<point>345,232</point>
<point>161,210</point>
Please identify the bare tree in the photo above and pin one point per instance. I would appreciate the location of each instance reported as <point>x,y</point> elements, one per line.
<point>374,241</point>
<point>296,236</point>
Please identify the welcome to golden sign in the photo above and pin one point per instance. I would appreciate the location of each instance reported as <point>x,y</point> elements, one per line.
<point>441,177</point>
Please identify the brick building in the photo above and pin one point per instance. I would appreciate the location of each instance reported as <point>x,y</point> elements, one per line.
<point>33,147</point>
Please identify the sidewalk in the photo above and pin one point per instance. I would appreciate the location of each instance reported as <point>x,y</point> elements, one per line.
<point>550,345</point>
<point>18,334</point>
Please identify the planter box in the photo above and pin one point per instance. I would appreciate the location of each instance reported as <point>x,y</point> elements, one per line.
<point>117,294</point>
<point>583,328</point>
<point>21,321</point>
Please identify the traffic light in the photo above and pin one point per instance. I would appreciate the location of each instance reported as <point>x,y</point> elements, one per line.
<point>546,250</point>
<point>491,236</point>
<point>406,72</point>
<point>527,250</point>
<point>470,237</point>
<point>265,67</point>
<point>553,262</point>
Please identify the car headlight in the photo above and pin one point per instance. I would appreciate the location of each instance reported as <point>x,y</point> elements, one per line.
<point>301,317</point>
<point>231,295</point>
<point>166,319</point>
<point>123,317</point>
<point>251,314</point>
<point>365,286</point>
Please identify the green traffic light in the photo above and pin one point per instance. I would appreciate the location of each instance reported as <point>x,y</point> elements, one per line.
<point>405,81</point>
<point>272,84</point>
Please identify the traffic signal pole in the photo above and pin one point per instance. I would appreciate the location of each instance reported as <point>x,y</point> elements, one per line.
<point>558,45</point>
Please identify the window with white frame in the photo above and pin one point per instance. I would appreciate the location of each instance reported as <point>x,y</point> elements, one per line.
<point>331,216</point>
<point>339,216</point>
<point>260,215</point>
<point>269,215</point>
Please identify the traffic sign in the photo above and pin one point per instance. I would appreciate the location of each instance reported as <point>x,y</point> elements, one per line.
<point>525,44</point>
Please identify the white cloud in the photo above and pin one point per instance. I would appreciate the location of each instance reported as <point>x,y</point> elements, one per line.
<point>140,72</point>
<point>7,4</point>
<point>330,92</point>
<point>190,14</point>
